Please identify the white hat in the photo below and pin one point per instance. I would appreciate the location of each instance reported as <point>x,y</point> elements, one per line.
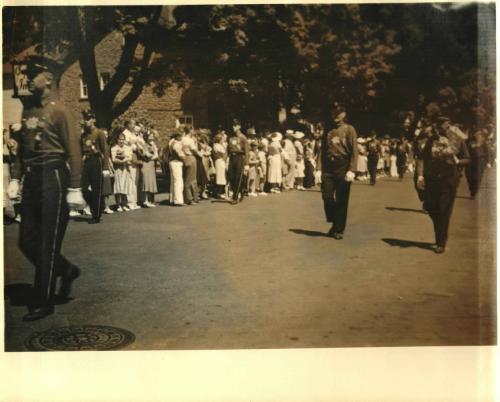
<point>361,140</point>
<point>289,133</point>
<point>278,136</point>
<point>298,135</point>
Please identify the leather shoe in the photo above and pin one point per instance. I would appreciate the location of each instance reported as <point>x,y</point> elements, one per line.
<point>71,273</point>
<point>39,313</point>
<point>332,231</point>
<point>94,221</point>
<point>439,250</point>
<point>234,202</point>
<point>338,236</point>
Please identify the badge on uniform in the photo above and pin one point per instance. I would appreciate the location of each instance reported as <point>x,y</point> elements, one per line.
<point>32,122</point>
<point>335,140</point>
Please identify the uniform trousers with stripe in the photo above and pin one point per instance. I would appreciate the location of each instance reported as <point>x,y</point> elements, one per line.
<point>335,193</point>
<point>45,215</point>
<point>92,182</point>
<point>439,196</point>
<point>235,173</point>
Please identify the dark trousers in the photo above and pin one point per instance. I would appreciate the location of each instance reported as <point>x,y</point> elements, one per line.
<point>45,215</point>
<point>235,171</point>
<point>190,183</point>
<point>474,174</point>
<point>335,191</point>
<point>439,197</point>
<point>401,165</point>
<point>372,168</point>
<point>92,177</point>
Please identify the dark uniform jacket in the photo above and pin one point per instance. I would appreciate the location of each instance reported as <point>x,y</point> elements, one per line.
<point>94,143</point>
<point>238,144</point>
<point>48,134</point>
<point>339,147</point>
<point>437,159</point>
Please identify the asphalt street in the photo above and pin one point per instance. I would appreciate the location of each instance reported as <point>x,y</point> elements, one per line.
<point>263,274</point>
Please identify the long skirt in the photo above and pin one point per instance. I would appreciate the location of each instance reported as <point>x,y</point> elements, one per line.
<point>176,183</point>
<point>362,164</point>
<point>149,177</point>
<point>123,181</point>
<point>394,166</point>
<point>274,173</point>
<point>220,172</point>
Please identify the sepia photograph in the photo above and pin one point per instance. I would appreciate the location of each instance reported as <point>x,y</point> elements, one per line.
<point>249,176</point>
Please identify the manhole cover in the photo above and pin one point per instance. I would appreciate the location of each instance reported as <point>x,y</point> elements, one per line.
<point>86,337</point>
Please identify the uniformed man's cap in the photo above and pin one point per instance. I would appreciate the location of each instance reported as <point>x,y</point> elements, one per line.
<point>39,63</point>
<point>251,131</point>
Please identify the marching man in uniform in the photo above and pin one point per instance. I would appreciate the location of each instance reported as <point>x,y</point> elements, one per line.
<point>339,159</point>
<point>438,176</point>
<point>238,151</point>
<point>49,143</point>
<point>95,163</point>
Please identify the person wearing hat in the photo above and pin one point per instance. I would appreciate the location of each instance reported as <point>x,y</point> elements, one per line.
<point>48,144</point>
<point>274,176</point>
<point>374,151</point>
<point>339,160</point>
<point>95,163</point>
<point>238,151</point>
<point>290,160</point>
<point>438,176</point>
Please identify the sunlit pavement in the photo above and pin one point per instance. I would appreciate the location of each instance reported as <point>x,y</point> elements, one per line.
<point>262,274</point>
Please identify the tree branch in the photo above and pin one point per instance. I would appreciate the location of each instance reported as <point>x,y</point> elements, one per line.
<point>137,86</point>
<point>122,70</point>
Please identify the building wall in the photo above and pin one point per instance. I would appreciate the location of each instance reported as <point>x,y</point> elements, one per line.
<point>163,111</point>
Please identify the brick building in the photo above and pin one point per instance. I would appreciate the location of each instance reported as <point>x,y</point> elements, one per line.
<point>176,106</point>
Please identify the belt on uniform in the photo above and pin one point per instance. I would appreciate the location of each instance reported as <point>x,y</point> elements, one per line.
<point>236,153</point>
<point>49,164</point>
<point>88,156</point>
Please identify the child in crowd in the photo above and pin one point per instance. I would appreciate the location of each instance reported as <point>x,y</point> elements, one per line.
<point>121,156</point>
<point>253,161</point>
<point>261,168</point>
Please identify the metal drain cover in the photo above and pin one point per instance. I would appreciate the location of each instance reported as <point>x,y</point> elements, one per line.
<point>85,337</point>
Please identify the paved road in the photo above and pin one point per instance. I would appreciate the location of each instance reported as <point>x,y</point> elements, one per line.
<point>263,275</point>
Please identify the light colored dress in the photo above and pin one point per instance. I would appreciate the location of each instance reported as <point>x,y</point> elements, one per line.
<point>121,156</point>
<point>219,153</point>
<point>274,167</point>
<point>148,169</point>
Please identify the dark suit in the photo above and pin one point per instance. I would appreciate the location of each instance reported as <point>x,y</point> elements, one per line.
<point>441,177</point>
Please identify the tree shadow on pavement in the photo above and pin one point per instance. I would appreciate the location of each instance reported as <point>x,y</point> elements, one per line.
<point>418,211</point>
<point>409,243</point>
<point>308,232</point>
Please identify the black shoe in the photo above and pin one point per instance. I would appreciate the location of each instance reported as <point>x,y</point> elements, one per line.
<point>439,250</point>
<point>39,313</point>
<point>234,202</point>
<point>71,273</point>
<point>332,231</point>
<point>338,236</point>
<point>94,221</point>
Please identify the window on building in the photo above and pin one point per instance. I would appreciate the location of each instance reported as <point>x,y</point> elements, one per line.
<point>104,79</point>
<point>84,94</point>
<point>185,120</point>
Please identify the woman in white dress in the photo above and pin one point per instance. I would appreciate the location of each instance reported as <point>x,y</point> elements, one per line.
<point>274,165</point>
<point>219,155</point>
<point>362,167</point>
